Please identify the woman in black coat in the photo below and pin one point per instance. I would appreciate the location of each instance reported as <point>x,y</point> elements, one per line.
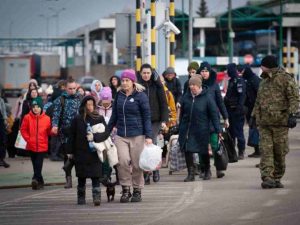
<point>209,77</point>
<point>197,110</point>
<point>87,162</point>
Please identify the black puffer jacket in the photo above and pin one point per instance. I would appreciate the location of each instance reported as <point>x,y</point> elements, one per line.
<point>157,99</point>
<point>87,164</point>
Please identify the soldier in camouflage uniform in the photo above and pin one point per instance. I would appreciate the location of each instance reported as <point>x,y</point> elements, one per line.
<point>274,113</point>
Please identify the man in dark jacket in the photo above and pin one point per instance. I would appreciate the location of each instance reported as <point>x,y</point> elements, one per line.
<point>234,101</point>
<point>158,106</point>
<point>252,84</point>
<point>63,114</point>
<point>173,84</point>
<point>2,139</point>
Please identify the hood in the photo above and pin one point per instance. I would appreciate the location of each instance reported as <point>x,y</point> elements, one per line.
<point>211,80</point>
<point>119,81</point>
<point>232,70</point>
<point>93,86</point>
<point>248,73</point>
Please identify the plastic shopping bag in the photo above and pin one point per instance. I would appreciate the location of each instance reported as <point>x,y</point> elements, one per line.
<point>150,158</point>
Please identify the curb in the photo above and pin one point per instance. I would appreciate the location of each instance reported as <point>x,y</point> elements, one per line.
<point>29,185</point>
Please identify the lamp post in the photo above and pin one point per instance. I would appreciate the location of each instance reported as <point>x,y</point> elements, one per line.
<point>56,14</point>
<point>47,18</point>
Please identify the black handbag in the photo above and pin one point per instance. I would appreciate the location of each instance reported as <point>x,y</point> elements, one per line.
<point>221,157</point>
<point>253,139</point>
<point>230,146</point>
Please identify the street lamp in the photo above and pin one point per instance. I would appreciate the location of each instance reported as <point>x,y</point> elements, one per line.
<point>56,14</point>
<point>47,18</point>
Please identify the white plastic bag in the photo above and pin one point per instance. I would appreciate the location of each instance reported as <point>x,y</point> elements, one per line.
<point>150,158</point>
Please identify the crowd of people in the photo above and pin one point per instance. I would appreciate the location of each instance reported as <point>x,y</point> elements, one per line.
<point>138,107</point>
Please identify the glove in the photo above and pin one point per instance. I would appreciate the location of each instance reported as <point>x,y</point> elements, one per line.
<point>292,121</point>
<point>90,136</point>
<point>252,122</point>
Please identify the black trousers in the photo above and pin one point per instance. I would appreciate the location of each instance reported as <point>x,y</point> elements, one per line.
<point>37,159</point>
<point>82,182</point>
<point>189,159</point>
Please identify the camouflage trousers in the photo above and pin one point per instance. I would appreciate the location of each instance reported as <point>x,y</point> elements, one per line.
<point>274,147</point>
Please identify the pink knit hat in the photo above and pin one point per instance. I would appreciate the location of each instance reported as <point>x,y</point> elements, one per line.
<point>106,94</point>
<point>130,74</point>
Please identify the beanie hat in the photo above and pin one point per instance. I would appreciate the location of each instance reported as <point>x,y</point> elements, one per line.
<point>37,101</point>
<point>130,74</point>
<point>170,70</point>
<point>193,65</point>
<point>204,66</point>
<point>231,70</point>
<point>106,94</point>
<point>33,81</point>
<point>269,61</point>
<point>195,80</point>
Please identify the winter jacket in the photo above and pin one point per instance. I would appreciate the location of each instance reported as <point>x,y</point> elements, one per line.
<point>174,86</point>
<point>35,130</point>
<point>105,112</point>
<point>171,107</point>
<point>3,108</point>
<point>252,84</point>
<point>277,97</point>
<point>131,115</point>
<point>195,116</point>
<point>70,107</point>
<point>114,90</point>
<point>87,163</point>
<point>157,99</point>
<point>215,92</point>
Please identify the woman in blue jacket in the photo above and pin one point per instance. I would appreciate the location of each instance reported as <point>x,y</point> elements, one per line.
<point>131,116</point>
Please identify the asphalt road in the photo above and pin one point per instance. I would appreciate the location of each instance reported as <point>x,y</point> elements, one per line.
<point>236,199</point>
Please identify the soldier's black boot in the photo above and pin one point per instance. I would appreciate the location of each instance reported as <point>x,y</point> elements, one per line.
<point>191,175</point>
<point>278,184</point>
<point>81,195</point>
<point>126,195</point>
<point>136,195</point>
<point>268,183</point>
<point>207,174</point>
<point>96,196</point>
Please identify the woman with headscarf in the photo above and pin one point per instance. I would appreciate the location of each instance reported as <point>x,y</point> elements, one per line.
<point>87,162</point>
<point>96,88</point>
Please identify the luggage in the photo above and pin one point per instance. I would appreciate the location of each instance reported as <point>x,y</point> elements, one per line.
<point>229,146</point>
<point>221,157</point>
<point>177,158</point>
<point>253,138</point>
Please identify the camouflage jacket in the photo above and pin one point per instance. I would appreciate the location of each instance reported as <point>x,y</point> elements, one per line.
<point>277,97</point>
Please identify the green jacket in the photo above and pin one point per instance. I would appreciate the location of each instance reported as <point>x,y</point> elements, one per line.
<point>277,97</point>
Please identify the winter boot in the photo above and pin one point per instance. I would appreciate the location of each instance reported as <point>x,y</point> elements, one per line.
<point>278,184</point>
<point>96,196</point>
<point>156,176</point>
<point>68,182</point>
<point>81,195</point>
<point>220,174</point>
<point>136,195</point>
<point>4,164</point>
<point>34,184</point>
<point>268,183</point>
<point>241,154</point>
<point>147,176</point>
<point>256,153</point>
<point>207,174</point>
<point>191,175</point>
<point>201,171</point>
<point>126,195</point>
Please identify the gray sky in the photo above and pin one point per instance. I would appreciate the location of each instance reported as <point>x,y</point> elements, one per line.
<point>23,16</point>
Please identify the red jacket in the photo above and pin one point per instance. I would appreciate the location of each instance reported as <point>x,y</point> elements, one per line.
<point>35,130</point>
